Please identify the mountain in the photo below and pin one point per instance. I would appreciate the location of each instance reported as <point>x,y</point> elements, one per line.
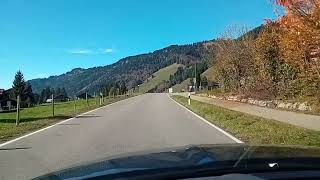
<point>132,70</point>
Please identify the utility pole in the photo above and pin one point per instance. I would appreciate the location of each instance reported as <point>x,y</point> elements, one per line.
<point>95,98</point>
<point>195,77</point>
<point>18,111</point>
<point>75,106</point>
<point>87,100</point>
<point>52,98</point>
<point>102,99</point>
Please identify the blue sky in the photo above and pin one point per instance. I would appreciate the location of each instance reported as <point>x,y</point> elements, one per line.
<point>51,37</point>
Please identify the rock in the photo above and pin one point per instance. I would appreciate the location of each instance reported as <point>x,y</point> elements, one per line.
<point>244,100</point>
<point>295,106</point>
<point>281,105</point>
<point>288,106</point>
<point>232,98</point>
<point>270,104</point>
<point>251,101</point>
<point>262,103</point>
<point>303,107</point>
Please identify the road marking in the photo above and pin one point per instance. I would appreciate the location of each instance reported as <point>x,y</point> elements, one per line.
<point>40,130</point>
<point>209,123</point>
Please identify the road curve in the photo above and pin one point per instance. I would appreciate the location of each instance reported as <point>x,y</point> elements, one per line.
<point>150,121</point>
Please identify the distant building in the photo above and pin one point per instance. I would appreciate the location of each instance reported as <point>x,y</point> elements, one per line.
<point>61,98</point>
<point>7,103</point>
<point>49,101</point>
<point>83,96</point>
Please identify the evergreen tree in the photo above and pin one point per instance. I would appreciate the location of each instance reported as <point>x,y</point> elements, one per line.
<point>28,97</point>
<point>58,92</point>
<point>19,84</point>
<point>43,96</point>
<point>64,92</point>
<point>47,93</point>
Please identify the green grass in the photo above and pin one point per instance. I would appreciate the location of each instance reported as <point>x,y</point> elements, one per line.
<point>253,129</point>
<point>40,116</point>
<point>209,74</point>
<point>184,85</point>
<point>160,76</point>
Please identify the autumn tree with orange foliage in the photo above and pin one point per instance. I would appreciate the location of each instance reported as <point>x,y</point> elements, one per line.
<point>300,42</point>
<point>234,60</point>
<point>281,62</point>
<point>301,33</point>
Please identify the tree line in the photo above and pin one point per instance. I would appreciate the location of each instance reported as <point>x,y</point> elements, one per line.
<point>282,61</point>
<point>47,93</point>
<point>114,89</point>
<point>28,97</point>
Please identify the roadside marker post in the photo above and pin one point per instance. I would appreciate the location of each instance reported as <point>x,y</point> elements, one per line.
<point>101,98</point>
<point>95,99</point>
<point>87,102</point>
<point>18,111</point>
<point>189,99</point>
<point>75,106</point>
<point>52,98</point>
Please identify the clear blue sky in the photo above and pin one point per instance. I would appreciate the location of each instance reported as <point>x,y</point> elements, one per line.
<point>51,37</point>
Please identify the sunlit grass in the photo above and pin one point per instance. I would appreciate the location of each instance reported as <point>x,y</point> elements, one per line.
<point>160,76</point>
<point>40,116</point>
<point>252,129</point>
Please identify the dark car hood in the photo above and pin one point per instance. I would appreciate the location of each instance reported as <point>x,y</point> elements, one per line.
<point>215,157</point>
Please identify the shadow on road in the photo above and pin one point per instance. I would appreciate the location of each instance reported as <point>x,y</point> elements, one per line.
<point>88,116</point>
<point>30,119</point>
<point>17,148</point>
<point>69,124</point>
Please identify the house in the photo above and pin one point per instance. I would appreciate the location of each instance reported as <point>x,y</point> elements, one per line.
<point>49,101</point>
<point>7,103</point>
<point>61,98</point>
<point>83,96</point>
<point>2,92</point>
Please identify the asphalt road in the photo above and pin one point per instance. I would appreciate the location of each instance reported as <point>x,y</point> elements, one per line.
<point>146,122</point>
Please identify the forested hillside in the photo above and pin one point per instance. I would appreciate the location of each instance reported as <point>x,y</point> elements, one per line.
<point>131,70</point>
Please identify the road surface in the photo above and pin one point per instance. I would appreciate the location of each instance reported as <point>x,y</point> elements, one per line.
<point>146,122</point>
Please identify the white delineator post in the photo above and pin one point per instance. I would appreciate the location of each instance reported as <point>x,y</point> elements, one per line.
<point>189,99</point>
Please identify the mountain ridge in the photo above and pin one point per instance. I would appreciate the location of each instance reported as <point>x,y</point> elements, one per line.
<point>129,69</point>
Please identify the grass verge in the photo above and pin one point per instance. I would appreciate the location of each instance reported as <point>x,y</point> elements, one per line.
<point>252,129</point>
<point>41,116</point>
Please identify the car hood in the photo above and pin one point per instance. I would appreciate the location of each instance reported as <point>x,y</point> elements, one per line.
<point>215,157</point>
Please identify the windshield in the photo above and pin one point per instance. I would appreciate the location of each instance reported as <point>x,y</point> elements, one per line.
<point>89,81</point>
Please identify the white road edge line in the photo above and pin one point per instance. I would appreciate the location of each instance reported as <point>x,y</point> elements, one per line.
<point>206,121</point>
<point>40,130</point>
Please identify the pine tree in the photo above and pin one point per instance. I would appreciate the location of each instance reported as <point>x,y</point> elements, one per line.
<point>58,92</point>
<point>28,96</point>
<point>19,84</point>
<point>64,92</point>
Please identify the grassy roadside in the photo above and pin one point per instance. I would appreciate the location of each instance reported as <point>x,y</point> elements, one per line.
<point>253,129</point>
<point>41,116</point>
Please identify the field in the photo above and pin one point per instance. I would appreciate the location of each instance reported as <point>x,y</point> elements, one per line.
<point>40,116</point>
<point>209,74</point>
<point>182,86</point>
<point>159,76</point>
<point>252,129</point>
